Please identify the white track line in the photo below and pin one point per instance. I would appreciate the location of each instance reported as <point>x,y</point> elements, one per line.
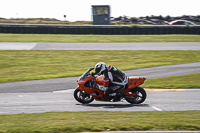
<point>155,108</point>
<point>72,90</point>
<point>17,46</point>
<point>2,112</point>
<point>64,91</point>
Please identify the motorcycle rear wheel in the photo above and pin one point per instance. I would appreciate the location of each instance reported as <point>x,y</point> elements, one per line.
<point>82,97</point>
<point>140,95</point>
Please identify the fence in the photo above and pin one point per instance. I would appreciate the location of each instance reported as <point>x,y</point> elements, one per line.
<point>101,30</point>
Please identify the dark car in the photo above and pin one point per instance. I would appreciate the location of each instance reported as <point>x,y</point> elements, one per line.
<point>181,22</point>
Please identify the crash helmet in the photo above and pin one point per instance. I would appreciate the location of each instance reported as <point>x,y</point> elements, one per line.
<point>100,68</point>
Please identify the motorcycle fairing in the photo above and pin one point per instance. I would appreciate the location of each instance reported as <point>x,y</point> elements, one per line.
<point>132,83</point>
<point>135,81</point>
<point>98,94</point>
<point>94,92</point>
<point>100,80</point>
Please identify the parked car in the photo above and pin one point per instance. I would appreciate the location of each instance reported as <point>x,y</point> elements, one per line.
<point>181,22</point>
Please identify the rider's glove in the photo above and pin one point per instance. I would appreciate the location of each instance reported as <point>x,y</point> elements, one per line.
<point>93,73</point>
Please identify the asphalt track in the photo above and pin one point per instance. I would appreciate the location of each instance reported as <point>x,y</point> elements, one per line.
<point>168,100</point>
<point>101,46</point>
<point>57,94</point>
<point>50,85</point>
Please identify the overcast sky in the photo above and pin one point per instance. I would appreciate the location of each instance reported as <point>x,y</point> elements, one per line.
<point>77,10</point>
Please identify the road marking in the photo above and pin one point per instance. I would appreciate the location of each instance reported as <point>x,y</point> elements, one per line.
<point>152,89</point>
<point>149,89</point>
<point>64,91</point>
<point>20,96</point>
<point>16,46</point>
<point>2,112</point>
<point>155,108</point>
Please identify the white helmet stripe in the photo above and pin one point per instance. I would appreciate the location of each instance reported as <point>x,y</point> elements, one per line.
<point>110,76</point>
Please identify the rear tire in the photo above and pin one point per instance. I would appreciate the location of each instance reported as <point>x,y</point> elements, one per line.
<point>140,95</point>
<point>82,97</point>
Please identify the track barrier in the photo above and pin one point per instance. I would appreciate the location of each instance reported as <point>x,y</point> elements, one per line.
<point>101,29</point>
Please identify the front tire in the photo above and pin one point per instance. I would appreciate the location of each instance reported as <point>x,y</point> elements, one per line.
<point>140,95</point>
<point>82,96</point>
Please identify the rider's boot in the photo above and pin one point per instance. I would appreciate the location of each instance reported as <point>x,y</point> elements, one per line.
<point>119,97</point>
<point>111,96</point>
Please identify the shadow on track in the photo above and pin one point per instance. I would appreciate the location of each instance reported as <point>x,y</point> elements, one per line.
<point>115,105</point>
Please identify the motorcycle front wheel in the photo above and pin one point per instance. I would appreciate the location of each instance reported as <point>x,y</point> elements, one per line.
<point>82,97</point>
<point>140,95</point>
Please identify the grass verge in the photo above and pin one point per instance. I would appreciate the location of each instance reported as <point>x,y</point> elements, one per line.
<point>185,81</point>
<point>56,122</point>
<point>32,65</point>
<point>97,38</point>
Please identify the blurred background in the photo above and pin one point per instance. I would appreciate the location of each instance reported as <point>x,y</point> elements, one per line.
<point>80,12</point>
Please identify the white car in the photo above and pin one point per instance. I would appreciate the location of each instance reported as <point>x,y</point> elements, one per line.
<point>181,22</point>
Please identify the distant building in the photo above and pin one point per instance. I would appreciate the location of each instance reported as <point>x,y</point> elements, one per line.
<point>101,14</point>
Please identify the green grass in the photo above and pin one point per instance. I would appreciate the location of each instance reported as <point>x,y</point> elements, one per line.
<point>97,38</point>
<point>42,21</point>
<point>57,122</point>
<point>185,81</point>
<point>31,65</point>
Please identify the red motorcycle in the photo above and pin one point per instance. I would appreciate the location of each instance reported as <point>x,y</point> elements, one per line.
<point>88,89</point>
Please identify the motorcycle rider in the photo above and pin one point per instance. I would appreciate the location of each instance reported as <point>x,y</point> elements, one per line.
<point>114,80</point>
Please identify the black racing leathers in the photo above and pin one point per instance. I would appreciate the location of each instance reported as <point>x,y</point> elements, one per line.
<point>114,80</point>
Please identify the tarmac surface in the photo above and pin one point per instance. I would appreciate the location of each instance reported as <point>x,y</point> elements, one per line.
<point>39,96</point>
<point>168,100</point>
<point>101,46</point>
<point>49,85</point>
<point>57,94</point>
